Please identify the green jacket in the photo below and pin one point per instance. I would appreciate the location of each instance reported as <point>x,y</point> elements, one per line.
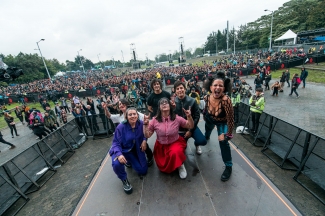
<point>235,99</point>
<point>257,103</point>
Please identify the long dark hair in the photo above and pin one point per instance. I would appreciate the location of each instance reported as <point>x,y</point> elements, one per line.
<point>171,111</point>
<point>220,76</point>
<point>125,102</point>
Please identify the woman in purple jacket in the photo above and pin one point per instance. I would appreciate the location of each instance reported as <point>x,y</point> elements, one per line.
<point>129,145</point>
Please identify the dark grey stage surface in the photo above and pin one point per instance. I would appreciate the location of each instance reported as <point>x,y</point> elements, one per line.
<point>248,192</point>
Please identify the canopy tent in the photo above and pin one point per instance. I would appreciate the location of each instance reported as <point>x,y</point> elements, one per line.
<point>288,36</point>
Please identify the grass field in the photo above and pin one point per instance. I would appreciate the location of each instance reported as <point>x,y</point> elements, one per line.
<point>315,76</point>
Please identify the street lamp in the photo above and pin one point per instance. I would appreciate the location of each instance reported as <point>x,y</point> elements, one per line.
<point>81,60</point>
<point>43,59</point>
<point>99,60</point>
<point>271,29</point>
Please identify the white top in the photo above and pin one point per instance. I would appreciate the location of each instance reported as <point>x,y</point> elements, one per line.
<point>117,118</point>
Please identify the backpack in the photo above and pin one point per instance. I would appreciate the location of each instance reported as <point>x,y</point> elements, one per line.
<point>298,80</point>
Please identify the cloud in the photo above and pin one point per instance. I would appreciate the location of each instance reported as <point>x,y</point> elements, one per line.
<point>107,27</point>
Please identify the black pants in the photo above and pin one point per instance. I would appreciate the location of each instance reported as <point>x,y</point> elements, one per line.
<point>41,134</point>
<point>52,128</point>
<point>81,126</point>
<point>5,142</point>
<point>267,87</point>
<point>66,108</point>
<point>295,91</point>
<point>288,83</point>
<point>149,153</point>
<point>12,128</point>
<point>256,120</point>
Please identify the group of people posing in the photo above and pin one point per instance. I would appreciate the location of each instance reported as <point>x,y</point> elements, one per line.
<point>174,119</point>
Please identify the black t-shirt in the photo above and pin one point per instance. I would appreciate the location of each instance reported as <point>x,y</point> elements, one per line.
<point>154,98</point>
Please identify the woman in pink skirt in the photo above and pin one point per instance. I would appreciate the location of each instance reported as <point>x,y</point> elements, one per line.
<point>169,150</point>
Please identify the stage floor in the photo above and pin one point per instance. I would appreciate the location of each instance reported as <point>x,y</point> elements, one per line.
<point>248,192</point>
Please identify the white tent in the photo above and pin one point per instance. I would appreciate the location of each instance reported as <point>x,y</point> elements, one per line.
<point>289,37</point>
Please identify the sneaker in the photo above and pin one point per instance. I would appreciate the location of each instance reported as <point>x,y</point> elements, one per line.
<point>12,136</point>
<point>207,138</point>
<point>12,147</point>
<point>17,134</point>
<point>182,172</point>
<point>198,150</point>
<point>37,138</point>
<point>298,96</point>
<point>226,173</point>
<point>127,186</point>
<point>81,134</point>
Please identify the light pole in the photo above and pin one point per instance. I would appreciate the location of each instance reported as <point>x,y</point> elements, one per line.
<point>216,42</point>
<point>122,58</point>
<point>99,60</point>
<point>43,59</point>
<point>271,29</point>
<point>83,69</point>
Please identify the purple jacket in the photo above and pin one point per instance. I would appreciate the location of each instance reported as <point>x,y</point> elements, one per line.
<point>125,138</point>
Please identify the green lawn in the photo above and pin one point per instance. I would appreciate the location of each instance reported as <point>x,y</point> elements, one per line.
<point>3,123</point>
<point>313,75</point>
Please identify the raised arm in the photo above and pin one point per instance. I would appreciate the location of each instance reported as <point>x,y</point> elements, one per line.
<point>107,113</point>
<point>147,133</point>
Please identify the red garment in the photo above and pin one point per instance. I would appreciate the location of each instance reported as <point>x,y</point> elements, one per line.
<point>169,157</point>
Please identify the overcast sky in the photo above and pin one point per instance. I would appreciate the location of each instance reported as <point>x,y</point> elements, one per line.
<point>109,27</point>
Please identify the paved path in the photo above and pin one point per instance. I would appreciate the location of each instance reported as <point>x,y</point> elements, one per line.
<point>306,112</point>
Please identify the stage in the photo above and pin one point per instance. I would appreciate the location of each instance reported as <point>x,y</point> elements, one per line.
<point>248,192</point>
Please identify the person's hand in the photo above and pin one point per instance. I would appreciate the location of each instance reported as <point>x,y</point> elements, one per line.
<point>122,159</point>
<point>187,112</point>
<point>229,136</point>
<point>146,119</point>
<point>103,105</point>
<point>172,102</point>
<point>188,134</point>
<point>143,146</point>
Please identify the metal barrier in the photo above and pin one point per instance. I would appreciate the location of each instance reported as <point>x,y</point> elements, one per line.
<point>298,149</point>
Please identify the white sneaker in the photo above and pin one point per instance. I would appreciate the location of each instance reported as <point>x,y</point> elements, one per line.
<point>81,134</point>
<point>182,172</point>
<point>198,150</point>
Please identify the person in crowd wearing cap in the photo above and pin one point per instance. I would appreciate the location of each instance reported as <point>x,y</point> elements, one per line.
<point>128,147</point>
<point>294,85</point>
<point>235,100</point>
<point>169,150</point>
<point>257,104</point>
<point>219,112</point>
<point>11,123</point>
<point>303,77</point>
<point>155,96</point>
<point>12,146</point>
<point>186,102</point>
<point>19,114</point>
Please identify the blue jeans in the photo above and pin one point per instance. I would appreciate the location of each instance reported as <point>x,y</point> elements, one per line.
<point>222,128</point>
<point>199,138</point>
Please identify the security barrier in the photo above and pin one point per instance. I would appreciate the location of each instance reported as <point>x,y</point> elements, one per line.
<point>299,150</point>
<point>29,170</point>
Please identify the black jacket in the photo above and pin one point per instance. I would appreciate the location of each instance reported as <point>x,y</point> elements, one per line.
<point>186,103</point>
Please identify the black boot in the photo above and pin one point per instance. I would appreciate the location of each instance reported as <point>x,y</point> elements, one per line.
<point>127,186</point>
<point>226,174</point>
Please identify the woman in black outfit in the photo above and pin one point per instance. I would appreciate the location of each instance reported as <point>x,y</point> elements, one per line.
<point>11,124</point>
